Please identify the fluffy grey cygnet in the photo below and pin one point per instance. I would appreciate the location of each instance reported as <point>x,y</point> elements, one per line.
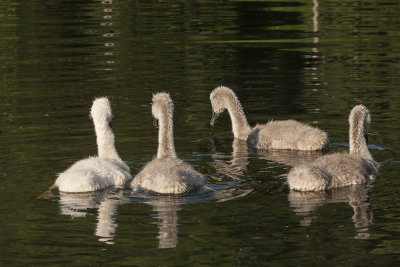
<point>166,174</point>
<point>340,169</point>
<point>288,134</point>
<point>105,170</point>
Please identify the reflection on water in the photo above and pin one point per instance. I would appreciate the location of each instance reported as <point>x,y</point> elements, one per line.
<point>106,219</point>
<point>166,208</point>
<point>106,203</point>
<point>76,205</point>
<point>107,23</point>
<point>233,166</point>
<point>167,214</point>
<point>305,203</point>
<point>289,157</point>
<point>315,24</point>
<point>308,60</point>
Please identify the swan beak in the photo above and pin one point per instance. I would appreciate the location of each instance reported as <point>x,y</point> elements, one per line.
<point>214,119</point>
<point>155,123</point>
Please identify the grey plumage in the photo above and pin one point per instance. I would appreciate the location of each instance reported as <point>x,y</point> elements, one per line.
<point>166,174</point>
<point>287,134</point>
<point>340,169</point>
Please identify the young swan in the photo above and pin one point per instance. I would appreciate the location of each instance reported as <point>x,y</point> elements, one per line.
<point>105,170</point>
<point>166,174</point>
<point>287,134</point>
<point>340,169</point>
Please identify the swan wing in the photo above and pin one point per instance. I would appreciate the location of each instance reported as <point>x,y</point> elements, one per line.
<point>287,134</point>
<point>92,174</point>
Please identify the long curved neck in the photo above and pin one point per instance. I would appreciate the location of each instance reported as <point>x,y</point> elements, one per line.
<point>240,127</point>
<point>105,140</point>
<point>166,146</point>
<point>358,143</point>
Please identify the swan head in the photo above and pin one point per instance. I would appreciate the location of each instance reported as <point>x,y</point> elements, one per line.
<point>161,104</point>
<point>219,97</point>
<point>360,116</point>
<point>101,110</point>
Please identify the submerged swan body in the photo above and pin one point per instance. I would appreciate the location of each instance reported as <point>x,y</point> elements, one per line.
<point>287,134</point>
<point>166,174</point>
<point>105,170</point>
<point>340,169</point>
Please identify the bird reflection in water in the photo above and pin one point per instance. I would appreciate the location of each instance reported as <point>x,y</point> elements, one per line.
<point>289,158</point>
<point>305,203</point>
<point>233,166</point>
<point>167,208</point>
<point>106,203</point>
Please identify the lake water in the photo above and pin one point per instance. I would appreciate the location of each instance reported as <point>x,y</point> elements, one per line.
<point>307,60</point>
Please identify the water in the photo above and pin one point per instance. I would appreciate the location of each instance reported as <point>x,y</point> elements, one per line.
<point>307,60</point>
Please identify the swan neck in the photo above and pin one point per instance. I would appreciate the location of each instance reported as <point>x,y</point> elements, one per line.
<point>166,146</point>
<point>240,126</point>
<point>105,141</point>
<point>358,143</point>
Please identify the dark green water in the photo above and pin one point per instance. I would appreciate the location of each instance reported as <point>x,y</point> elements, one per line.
<point>300,59</point>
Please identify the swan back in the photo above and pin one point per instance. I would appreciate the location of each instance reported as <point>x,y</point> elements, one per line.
<point>93,174</point>
<point>360,121</point>
<point>224,98</point>
<point>287,134</point>
<point>162,109</point>
<point>168,176</point>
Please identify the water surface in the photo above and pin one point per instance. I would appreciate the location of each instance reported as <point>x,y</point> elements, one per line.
<point>306,60</point>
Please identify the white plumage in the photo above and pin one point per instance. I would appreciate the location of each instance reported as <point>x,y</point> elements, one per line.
<point>166,174</point>
<point>105,170</point>
<point>340,169</point>
<point>287,134</point>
